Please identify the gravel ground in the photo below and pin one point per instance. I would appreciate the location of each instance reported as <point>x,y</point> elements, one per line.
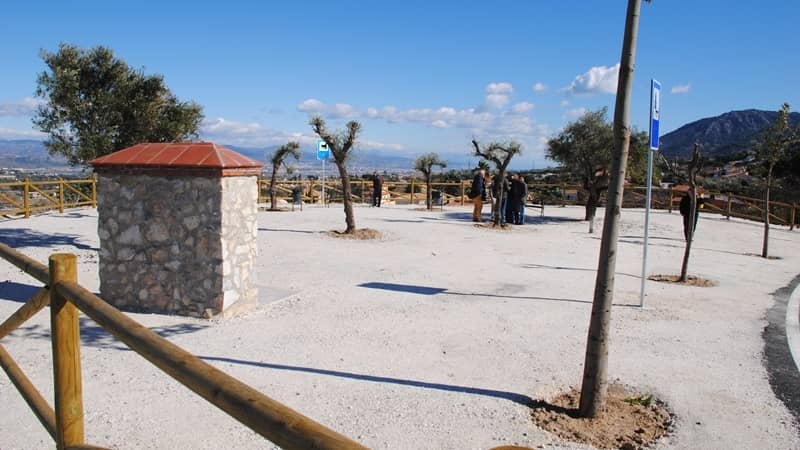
<point>435,336</point>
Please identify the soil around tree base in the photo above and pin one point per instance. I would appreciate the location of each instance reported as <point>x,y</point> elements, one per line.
<point>629,421</point>
<point>361,234</point>
<point>691,280</point>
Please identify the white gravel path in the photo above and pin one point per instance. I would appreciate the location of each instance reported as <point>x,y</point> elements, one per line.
<point>433,337</point>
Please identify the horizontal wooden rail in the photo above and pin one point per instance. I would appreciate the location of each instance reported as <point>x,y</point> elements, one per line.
<point>26,264</point>
<point>39,300</point>
<point>43,411</point>
<point>269,418</point>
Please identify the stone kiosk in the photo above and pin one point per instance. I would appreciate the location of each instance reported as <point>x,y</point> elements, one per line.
<point>177,228</point>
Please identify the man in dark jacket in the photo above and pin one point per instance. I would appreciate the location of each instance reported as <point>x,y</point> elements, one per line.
<point>685,209</point>
<point>476,194</point>
<point>377,189</point>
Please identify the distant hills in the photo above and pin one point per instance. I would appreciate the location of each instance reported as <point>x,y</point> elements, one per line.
<point>27,154</point>
<point>726,134</point>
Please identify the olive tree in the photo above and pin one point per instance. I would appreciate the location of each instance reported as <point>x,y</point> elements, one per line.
<point>425,164</point>
<point>278,159</point>
<point>340,144</point>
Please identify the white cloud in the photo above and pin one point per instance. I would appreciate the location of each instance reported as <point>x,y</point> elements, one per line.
<point>681,88</point>
<point>564,103</point>
<point>498,94</point>
<point>313,106</point>
<point>575,113</point>
<point>10,133</point>
<point>539,87</point>
<point>253,134</point>
<point>522,107</point>
<point>499,88</point>
<point>597,80</point>
<point>25,107</point>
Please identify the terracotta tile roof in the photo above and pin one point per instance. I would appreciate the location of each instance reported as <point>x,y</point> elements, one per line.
<point>205,155</point>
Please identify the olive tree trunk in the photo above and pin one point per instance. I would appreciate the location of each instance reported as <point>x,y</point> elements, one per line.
<point>595,370</point>
<point>347,199</point>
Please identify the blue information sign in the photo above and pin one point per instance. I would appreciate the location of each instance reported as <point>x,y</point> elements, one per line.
<point>655,112</point>
<point>323,152</point>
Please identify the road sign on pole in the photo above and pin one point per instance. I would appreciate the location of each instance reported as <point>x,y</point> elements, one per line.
<point>655,117</point>
<point>655,112</point>
<point>323,152</point>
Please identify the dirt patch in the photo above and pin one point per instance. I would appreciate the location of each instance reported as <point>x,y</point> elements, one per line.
<point>630,420</point>
<point>691,280</point>
<point>360,234</point>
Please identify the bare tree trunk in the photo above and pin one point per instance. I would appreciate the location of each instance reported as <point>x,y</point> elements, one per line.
<point>595,385</point>
<point>591,206</point>
<point>347,199</point>
<point>272,191</point>
<point>693,169</point>
<point>765,244</point>
<point>429,197</point>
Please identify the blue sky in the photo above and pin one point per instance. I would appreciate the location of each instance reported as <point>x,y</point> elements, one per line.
<point>420,75</point>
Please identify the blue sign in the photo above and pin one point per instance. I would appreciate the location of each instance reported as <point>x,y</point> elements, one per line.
<point>323,152</point>
<point>655,112</point>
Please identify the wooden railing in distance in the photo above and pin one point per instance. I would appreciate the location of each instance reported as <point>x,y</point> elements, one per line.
<point>27,197</point>
<point>267,417</point>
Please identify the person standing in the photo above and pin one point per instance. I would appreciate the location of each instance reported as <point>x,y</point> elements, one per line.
<point>499,188</point>
<point>519,218</point>
<point>476,194</point>
<point>685,209</point>
<point>377,189</point>
<point>513,200</point>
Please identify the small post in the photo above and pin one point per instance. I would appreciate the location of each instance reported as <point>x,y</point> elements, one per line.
<point>363,196</point>
<point>66,343</point>
<point>26,191</point>
<point>793,216</point>
<point>60,195</point>
<point>563,194</point>
<point>412,190</point>
<point>728,208</point>
<point>94,191</point>
<point>463,192</point>
<point>669,201</point>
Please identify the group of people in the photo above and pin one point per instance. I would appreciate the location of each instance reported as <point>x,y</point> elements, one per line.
<point>511,192</point>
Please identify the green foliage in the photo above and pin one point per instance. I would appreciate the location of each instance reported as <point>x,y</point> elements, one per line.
<point>340,143</point>
<point>643,400</point>
<point>427,162</point>
<point>776,140</point>
<point>96,104</point>
<point>291,148</point>
<point>585,146</point>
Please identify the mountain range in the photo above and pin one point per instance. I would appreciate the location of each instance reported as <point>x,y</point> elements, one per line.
<point>727,134</point>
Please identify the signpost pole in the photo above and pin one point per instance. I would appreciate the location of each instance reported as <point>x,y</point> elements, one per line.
<point>655,117</point>
<point>323,185</point>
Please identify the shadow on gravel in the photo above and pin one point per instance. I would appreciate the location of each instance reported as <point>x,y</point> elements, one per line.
<point>93,335</point>
<point>23,237</point>
<point>427,290</point>
<point>289,231</point>
<point>17,292</point>
<point>511,396</point>
<point>580,269</point>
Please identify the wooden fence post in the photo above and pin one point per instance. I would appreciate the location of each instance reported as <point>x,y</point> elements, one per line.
<point>463,191</point>
<point>60,195</point>
<point>363,197</point>
<point>793,216</point>
<point>26,191</point>
<point>669,201</point>
<point>412,190</point>
<point>66,342</point>
<point>728,207</point>
<point>94,192</point>
<point>563,194</point>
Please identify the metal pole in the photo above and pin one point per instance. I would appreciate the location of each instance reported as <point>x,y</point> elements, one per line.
<point>646,223</point>
<point>323,183</point>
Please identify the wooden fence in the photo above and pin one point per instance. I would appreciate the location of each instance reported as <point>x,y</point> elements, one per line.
<point>561,194</point>
<point>267,417</point>
<point>28,197</point>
